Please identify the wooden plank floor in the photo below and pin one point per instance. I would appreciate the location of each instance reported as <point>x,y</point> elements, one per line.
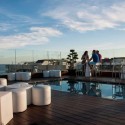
<point>72,109</point>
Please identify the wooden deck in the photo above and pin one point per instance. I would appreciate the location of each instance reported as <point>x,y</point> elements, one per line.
<point>72,109</point>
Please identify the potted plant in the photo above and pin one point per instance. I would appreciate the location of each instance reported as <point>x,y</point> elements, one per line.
<point>71,59</point>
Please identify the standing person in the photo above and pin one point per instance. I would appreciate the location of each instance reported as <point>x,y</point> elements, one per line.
<point>85,58</point>
<point>100,56</point>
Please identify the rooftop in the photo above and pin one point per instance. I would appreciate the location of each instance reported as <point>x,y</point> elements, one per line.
<point>74,109</point>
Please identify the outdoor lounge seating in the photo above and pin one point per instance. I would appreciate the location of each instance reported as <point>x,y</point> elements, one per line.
<point>22,85</point>
<point>24,76</point>
<point>11,76</point>
<point>3,81</point>
<point>19,98</point>
<point>14,98</point>
<point>52,73</point>
<point>41,95</point>
<point>45,73</point>
<point>6,108</point>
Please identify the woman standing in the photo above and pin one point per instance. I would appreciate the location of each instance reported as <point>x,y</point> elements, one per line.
<point>85,59</point>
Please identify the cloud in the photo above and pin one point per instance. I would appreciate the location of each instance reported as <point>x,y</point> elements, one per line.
<point>5,26</point>
<point>116,12</point>
<point>82,16</point>
<point>100,46</point>
<point>13,21</point>
<point>36,36</point>
<point>122,29</point>
<point>105,46</point>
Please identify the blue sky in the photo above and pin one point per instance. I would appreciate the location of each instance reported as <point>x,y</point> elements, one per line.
<point>62,24</point>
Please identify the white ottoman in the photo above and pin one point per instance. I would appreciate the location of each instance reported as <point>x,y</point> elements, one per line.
<point>6,107</point>
<point>57,73</point>
<point>45,73</point>
<point>22,85</point>
<point>3,81</point>
<point>41,95</point>
<point>11,76</point>
<point>18,75</point>
<point>29,94</point>
<point>26,76</point>
<point>19,100</point>
<point>52,73</point>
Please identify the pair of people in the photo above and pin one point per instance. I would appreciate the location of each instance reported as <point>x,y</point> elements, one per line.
<point>96,57</point>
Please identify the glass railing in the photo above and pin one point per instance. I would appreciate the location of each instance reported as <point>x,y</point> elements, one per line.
<point>20,56</point>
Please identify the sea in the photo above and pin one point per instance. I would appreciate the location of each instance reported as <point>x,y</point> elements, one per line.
<point>2,69</point>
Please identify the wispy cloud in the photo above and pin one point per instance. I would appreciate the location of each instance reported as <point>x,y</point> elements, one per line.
<point>105,46</point>
<point>8,15</point>
<point>85,17</point>
<point>5,26</point>
<point>13,21</point>
<point>122,29</point>
<point>36,36</point>
<point>100,46</point>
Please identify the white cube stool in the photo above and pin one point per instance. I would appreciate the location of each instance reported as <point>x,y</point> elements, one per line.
<point>57,73</point>
<point>26,76</point>
<point>19,98</point>
<point>6,107</point>
<point>3,81</point>
<point>11,76</point>
<point>18,75</point>
<point>29,94</point>
<point>22,85</point>
<point>41,95</point>
<point>52,73</point>
<point>46,74</point>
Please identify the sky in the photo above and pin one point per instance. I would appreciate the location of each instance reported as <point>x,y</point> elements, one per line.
<point>62,25</point>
